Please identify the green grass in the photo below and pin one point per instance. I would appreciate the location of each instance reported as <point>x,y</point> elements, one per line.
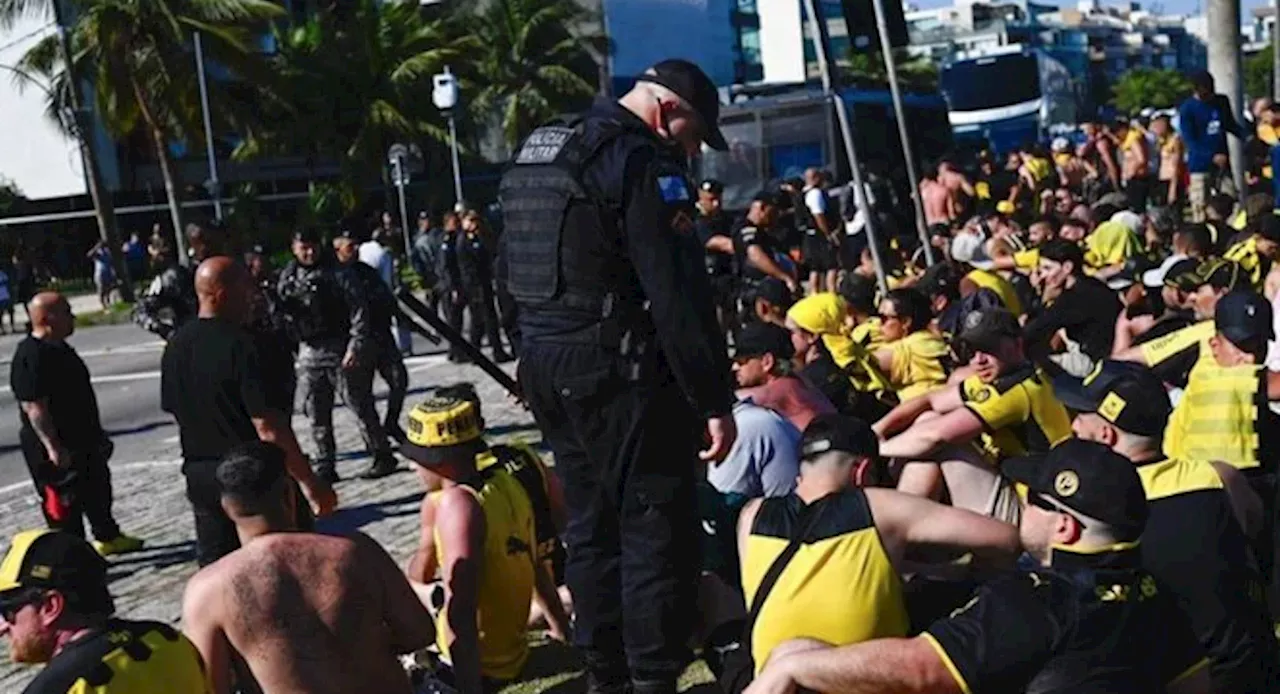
<point>117,313</point>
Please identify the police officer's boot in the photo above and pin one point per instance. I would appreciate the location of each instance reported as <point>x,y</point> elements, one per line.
<point>327,471</point>
<point>383,464</point>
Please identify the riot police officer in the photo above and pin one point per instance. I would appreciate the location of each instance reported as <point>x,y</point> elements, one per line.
<point>170,299</point>
<point>329,316</point>
<point>277,349</point>
<point>622,362</point>
<point>475,269</point>
<point>386,357</point>
<point>717,242</point>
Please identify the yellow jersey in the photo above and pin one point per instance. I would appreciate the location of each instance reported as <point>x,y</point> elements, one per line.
<point>506,576</point>
<point>839,587</point>
<point>1218,415</point>
<point>1246,255</point>
<point>1019,413</point>
<point>125,657</point>
<point>919,364</point>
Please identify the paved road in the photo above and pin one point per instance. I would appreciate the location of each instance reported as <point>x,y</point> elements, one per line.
<point>124,365</point>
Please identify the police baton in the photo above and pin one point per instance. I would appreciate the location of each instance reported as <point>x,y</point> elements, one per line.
<point>419,310</point>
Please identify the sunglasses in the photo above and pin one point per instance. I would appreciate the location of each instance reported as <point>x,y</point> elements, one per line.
<point>9,609</point>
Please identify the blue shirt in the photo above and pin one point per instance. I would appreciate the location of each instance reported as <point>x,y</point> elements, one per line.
<point>765,457</point>
<point>1204,126</point>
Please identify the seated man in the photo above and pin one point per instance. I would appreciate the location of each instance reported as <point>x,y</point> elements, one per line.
<point>1006,406</point>
<point>1086,620</point>
<point>824,562</point>
<point>763,368</point>
<point>56,609</point>
<point>479,533</point>
<point>305,612</point>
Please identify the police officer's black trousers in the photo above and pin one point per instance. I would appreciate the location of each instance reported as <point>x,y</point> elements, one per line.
<point>215,532</point>
<point>70,495</point>
<point>484,316</point>
<point>390,366</point>
<point>626,454</point>
<point>453,316</point>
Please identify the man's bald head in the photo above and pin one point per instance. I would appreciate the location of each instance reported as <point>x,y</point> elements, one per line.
<point>51,316</point>
<point>224,289</point>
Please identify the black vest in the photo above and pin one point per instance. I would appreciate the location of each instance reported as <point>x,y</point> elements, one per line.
<point>313,302</point>
<point>565,251</point>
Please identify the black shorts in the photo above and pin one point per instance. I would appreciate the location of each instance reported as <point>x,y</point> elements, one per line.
<point>819,253</point>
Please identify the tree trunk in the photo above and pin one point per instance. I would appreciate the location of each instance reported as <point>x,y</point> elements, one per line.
<point>166,171</point>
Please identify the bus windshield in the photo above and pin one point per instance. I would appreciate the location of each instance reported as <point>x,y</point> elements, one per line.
<point>991,82</point>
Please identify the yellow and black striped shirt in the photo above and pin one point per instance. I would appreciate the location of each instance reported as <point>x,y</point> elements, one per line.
<point>125,657</point>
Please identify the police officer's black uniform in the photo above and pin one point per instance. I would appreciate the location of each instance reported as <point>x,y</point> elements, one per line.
<point>276,347</point>
<point>475,270</point>
<point>745,234</point>
<point>169,302</point>
<point>720,267</point>
<point>621,362</point>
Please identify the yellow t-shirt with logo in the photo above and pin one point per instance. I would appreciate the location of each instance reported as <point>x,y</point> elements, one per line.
<point>1168,346</point>
<point>506,576</point>
<point>919,364</point>
<point>1019,413</point>
<point>1246,255</point>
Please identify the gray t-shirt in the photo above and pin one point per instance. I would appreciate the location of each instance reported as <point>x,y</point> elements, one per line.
<point>764,459</point>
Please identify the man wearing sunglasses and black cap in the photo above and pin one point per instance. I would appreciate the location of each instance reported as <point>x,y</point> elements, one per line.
<point>623,362</point>
<point>1084,617</point>
<point>1193,541</point>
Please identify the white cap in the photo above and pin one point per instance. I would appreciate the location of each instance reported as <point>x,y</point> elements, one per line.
<point>1130,219</point>
<point>1155,277</point>
<point>1061,144</point>
<point>971,249</point>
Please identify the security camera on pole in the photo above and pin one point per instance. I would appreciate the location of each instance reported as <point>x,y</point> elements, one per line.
<point>444,94</point>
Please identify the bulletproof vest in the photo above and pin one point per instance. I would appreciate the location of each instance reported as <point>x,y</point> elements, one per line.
<point>313,302</point>
<point>564,250</point>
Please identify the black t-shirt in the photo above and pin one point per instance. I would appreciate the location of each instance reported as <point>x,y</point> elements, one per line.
<point>211,381</point>
<point>52,371</point>
<point>745,235</point>
<point>1076,629</point>
<point>1087,311</point>
<point>708,227</point>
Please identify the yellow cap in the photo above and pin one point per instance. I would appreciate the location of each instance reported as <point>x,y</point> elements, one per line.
<point>440,428</point>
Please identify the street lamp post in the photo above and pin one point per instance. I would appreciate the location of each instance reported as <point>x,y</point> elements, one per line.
<point>444,94</point>
<point>213,186</point>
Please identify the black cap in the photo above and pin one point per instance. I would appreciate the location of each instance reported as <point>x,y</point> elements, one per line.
<point>423,214</point>
<point>1222,274</point>
<point>767,197</point>
<point>1126,394</point>
<point>712,186</point>
<point>983,330</point>
<point>58,560</point>
<point>776,292</point>
<point>940,280</point>
<point>834,432</point>
<point>1090,479</point>
<point>757,339</point>
<point>690,83</point>
<point>307,235</point>
<point>1244,318</point>
<point>859,291</point>
<point>1184,275</point>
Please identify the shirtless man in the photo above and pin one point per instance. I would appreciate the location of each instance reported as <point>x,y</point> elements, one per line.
<point>1135,164</point>
<point>958,184</point>
<point>1100,150</point>
<point>939,205</point>
<point>1169,189</point>
<point>306,612</point>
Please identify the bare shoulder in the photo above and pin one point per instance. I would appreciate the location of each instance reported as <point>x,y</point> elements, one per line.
<point>455,503</point>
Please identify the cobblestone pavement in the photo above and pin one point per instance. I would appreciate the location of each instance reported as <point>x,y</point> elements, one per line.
<point>150,502</point>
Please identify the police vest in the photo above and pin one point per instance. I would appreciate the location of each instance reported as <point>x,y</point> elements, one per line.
<point>1216,419</point>
<point>313,303</point>
<point>565,251</point>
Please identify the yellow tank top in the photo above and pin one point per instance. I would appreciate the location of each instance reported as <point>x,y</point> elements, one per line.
<point>840,586</point>
<point>919,364</point>
<point>1003,288</point>
<point>1216,419</point>
<point>506,577</point>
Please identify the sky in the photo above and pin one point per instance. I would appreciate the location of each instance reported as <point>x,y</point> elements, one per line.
<point>1187,7</point>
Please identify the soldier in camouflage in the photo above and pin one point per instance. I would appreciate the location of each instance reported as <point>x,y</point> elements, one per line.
<point>328,314</point>
<point>170,300</point>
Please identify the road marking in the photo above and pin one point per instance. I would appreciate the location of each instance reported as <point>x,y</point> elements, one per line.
<point>138,465</point>
<point>142,348</point>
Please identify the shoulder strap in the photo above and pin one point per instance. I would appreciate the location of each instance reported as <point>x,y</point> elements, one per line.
<point>776,568</point>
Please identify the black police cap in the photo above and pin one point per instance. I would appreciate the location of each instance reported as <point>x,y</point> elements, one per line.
<point>690,83</point>
<point>712,186</point>
<point>307,235</point>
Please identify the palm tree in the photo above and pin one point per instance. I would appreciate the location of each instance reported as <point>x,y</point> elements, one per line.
<point>136,55</point>
<point>351,81</point>
<point>531,64</point>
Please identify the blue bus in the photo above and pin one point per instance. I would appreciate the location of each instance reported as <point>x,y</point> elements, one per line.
<point>1002,100</point>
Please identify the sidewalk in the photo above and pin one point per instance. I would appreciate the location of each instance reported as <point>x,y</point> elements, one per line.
<point>150,503</point>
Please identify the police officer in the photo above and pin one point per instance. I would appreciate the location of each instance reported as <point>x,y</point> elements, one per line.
<point>426,245</point>
<point>170,299</point>
<point>717,242</point>
<point>449,279</point>
<point>622,362</point>
<point>277,348</point>
<point>757,247</point>
<point>386,358</point>
<point>329,316</point>
<point>475,269</point>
